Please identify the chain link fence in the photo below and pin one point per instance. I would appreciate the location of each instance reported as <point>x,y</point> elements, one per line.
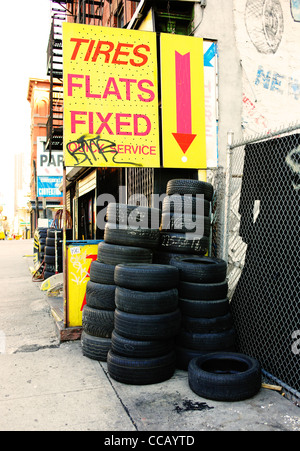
<point>261,245</point>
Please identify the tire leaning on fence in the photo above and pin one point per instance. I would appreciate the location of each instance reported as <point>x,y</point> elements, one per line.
<point>225,376</point>
<point>189,186</point>
<point>200,269</point>
<point>207,324</point>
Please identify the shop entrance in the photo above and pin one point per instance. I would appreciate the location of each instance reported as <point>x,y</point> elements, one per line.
<point>87,217</point>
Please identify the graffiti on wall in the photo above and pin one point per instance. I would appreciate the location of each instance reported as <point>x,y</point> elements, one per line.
<point>253,115</point>
<point>265,24</point>
<point>267,35</point>
<point>279,83</point>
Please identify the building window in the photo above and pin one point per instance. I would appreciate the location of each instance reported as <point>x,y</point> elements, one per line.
<point>119,17</point>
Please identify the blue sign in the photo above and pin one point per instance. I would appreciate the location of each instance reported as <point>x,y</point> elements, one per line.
<point>49,187</point>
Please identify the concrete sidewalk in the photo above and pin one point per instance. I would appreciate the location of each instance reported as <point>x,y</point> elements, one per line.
<point>47,386</point>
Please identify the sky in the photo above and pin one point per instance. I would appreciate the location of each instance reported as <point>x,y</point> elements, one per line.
<point>24,35</point>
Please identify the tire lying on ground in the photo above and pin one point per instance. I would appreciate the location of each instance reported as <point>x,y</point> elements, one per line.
<point>225,376</point>
<point>200,269</point>
<point>190,186</point>
<point>146,277</point>
<point>95,348</point>
<point>142,371</point>
<point>113,254</point>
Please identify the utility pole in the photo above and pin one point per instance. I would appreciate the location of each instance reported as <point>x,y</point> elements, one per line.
<point>36,195</point>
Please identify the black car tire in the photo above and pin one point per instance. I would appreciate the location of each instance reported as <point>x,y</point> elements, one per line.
<point>51,233</point>
<point>146,277</point>
<point>102,273</point>
<point>146,302</point>
<point>132,215</point>
<point>48,274</point>
<point>148,327</point>
<point>129,236</point>
<point>100,296</point>
<point>50,250</point>
<point>225,376</point>
<point>199,269</point>
<point>113,254</point>
<point>204,309</point>
<point>141,371</point>
<point>185,355</point>
<point>208,342</point>
<point>95,348</point>
<point>50,259</point>
<point>187,204</point>
<point>164,258</point>
<point>98,323</point>
<point>203,291</point>
<point>190,186</point>
<point>140,348</point>
<point>207,325</point>
<point>181,223</point>
<point>181,243</point>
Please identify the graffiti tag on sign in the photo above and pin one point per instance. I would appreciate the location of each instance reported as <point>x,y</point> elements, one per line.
<point>111,97</point>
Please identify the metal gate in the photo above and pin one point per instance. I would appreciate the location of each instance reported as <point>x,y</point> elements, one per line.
<point>261,243</point>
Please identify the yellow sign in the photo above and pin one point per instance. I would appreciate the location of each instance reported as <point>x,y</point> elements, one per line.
<point>80,259</point>
<point>183,104</point>
<point>110,97</point>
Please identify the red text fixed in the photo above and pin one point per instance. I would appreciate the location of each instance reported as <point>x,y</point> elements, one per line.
<point>114,124</point>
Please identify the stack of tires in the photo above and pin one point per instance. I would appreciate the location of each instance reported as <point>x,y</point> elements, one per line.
<point>53,245</point>
<point>147,320</point>
<point>40,236</point>
<point>181,221</point>
<point>98,313</point>
<point>207,324</point>
<point>121,244</point>
<point>132,225</point>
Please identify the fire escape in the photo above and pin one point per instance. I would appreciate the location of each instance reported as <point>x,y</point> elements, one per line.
<point>78,11</point>
<point>55,72</point>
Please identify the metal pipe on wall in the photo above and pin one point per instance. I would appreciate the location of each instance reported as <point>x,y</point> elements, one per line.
<point>227,197</point>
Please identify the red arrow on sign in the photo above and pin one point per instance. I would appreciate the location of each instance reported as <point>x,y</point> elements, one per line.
<point>184,135</point>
